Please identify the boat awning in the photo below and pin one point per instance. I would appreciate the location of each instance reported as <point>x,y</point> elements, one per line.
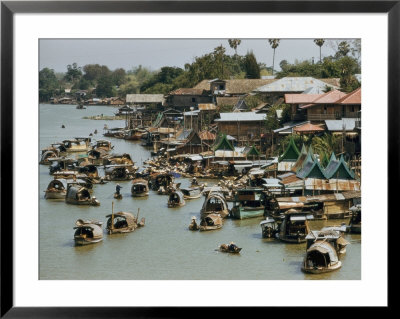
<point>272,185</point>
<point>297,218</point>
<point>267,221</point>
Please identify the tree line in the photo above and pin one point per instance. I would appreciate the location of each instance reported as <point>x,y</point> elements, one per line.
<point>216,64</point>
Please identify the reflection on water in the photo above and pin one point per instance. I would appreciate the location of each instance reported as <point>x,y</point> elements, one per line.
<point>164,248</point>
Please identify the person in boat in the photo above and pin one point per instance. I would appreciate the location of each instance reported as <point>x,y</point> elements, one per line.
<point>117,189</point>
<point>194,181</point>
<point>95,131</point>
<point>232,246</point>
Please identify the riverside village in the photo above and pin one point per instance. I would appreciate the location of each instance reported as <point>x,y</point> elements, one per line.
<point>224,168</point>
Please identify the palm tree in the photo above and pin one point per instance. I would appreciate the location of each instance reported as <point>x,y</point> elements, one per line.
<point>234,43</point>
<point>320,43</point>
<point>274,44</point>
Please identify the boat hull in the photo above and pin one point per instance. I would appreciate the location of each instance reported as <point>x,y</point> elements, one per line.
<point>140,194</point>
<point>321,270</point>
<point>86,241</point>
<point>206,228</point>
<point>55,195</point>
<point>240,213</point>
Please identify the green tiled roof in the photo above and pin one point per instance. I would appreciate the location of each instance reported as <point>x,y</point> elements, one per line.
<point>291,153</point>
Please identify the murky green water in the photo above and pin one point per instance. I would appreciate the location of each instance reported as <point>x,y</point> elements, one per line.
<point>164,248</point>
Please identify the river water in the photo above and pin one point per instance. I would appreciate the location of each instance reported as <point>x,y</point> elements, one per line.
<point>164,248</point>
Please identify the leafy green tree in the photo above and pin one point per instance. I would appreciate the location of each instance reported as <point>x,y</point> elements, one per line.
<point>343,49</point>
<point>234,43</point>
<point>93,72</point>
<point>326,143</point>
<point>104,87</point>
<point>48,84</point>
<point>320,43</point>
<point>348,67</point>
<point>118,76</point>
<point>251,66</point>
<point>274,43</point>
<point>74,73</point>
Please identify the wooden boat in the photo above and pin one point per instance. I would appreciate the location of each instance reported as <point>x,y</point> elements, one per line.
<point>74,177</point>
<point>79,195</point>
<point>355,220</point>
<point>48,154</point>
<point>119,172</point>
<point>294,227</point>
<point>62,164</point>
<point>230,248</point>
<point>214,203</point>
<point>176,199</point>
<point>103,145</point>
<point>57,189</point>
<point>140,187</point>
<point>193,224</point>
<point>248,203</point>
<point>117,196</point>
<point>117,132</point>
<point>321,257</point>
<point>121,222</point>
<point>78,144</point>
<point>161,179</point>
<point>89,170</point>
<point>88,232</point>
<point>333,235</point>
<point>269,228</point>
<point>114,159</point>
<point>191,193</point>
<point>133,135</point>
<point>210,222</point>
<point>81,107</point>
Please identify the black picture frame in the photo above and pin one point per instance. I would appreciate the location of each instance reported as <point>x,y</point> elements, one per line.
<point>9,8</point>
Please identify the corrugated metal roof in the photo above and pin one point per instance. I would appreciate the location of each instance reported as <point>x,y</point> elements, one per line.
<point>348,124</point>
<point>241,117</point>
<point>144,98</point>
<point>308,128</point>
<point>300,98</point>
<point>329,97</point>
<point>187,91</point>
<point>351,98</point>
<point>207,107</point>
<point>293,84</point>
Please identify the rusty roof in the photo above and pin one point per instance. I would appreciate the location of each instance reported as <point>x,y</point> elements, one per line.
<point>206,135</point>
<point>187,91</point>
<point>329,97</point>
<point>351,98</point>
<point>238,86</point>
<point>301,98</point>
<point>207,107</point>
<point>308,127</point>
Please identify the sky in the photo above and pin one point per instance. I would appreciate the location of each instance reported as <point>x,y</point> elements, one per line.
<point>56,54</point>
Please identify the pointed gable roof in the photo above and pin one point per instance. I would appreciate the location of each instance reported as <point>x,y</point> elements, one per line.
<point>253,151</point>
<point>300,160</point>
<point>339,169</point>
<point>351,98</point>
<point>291,153</point>
<point>311,169</point>
<point>223,144</point>
<point>329,97</point>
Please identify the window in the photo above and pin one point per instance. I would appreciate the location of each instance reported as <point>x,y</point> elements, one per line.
<point>193,99</point>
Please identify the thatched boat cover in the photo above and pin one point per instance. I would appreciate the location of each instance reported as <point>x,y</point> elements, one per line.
<point>93,225</point>
<point>179,194</point>
<point>324,248</point>
<point>61,183</point>
<point>130,219</point>
<point>214,195</point>
<point>73,192</point>
<point>140,181</point>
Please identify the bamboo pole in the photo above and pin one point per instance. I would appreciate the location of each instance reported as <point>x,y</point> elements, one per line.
<point>112,216</point>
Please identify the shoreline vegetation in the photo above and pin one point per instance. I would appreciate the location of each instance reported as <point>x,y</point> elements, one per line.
<point>103,117</point>
<point>94,81</point>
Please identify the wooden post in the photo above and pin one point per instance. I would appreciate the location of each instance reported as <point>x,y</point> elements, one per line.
<point>112,216</point>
